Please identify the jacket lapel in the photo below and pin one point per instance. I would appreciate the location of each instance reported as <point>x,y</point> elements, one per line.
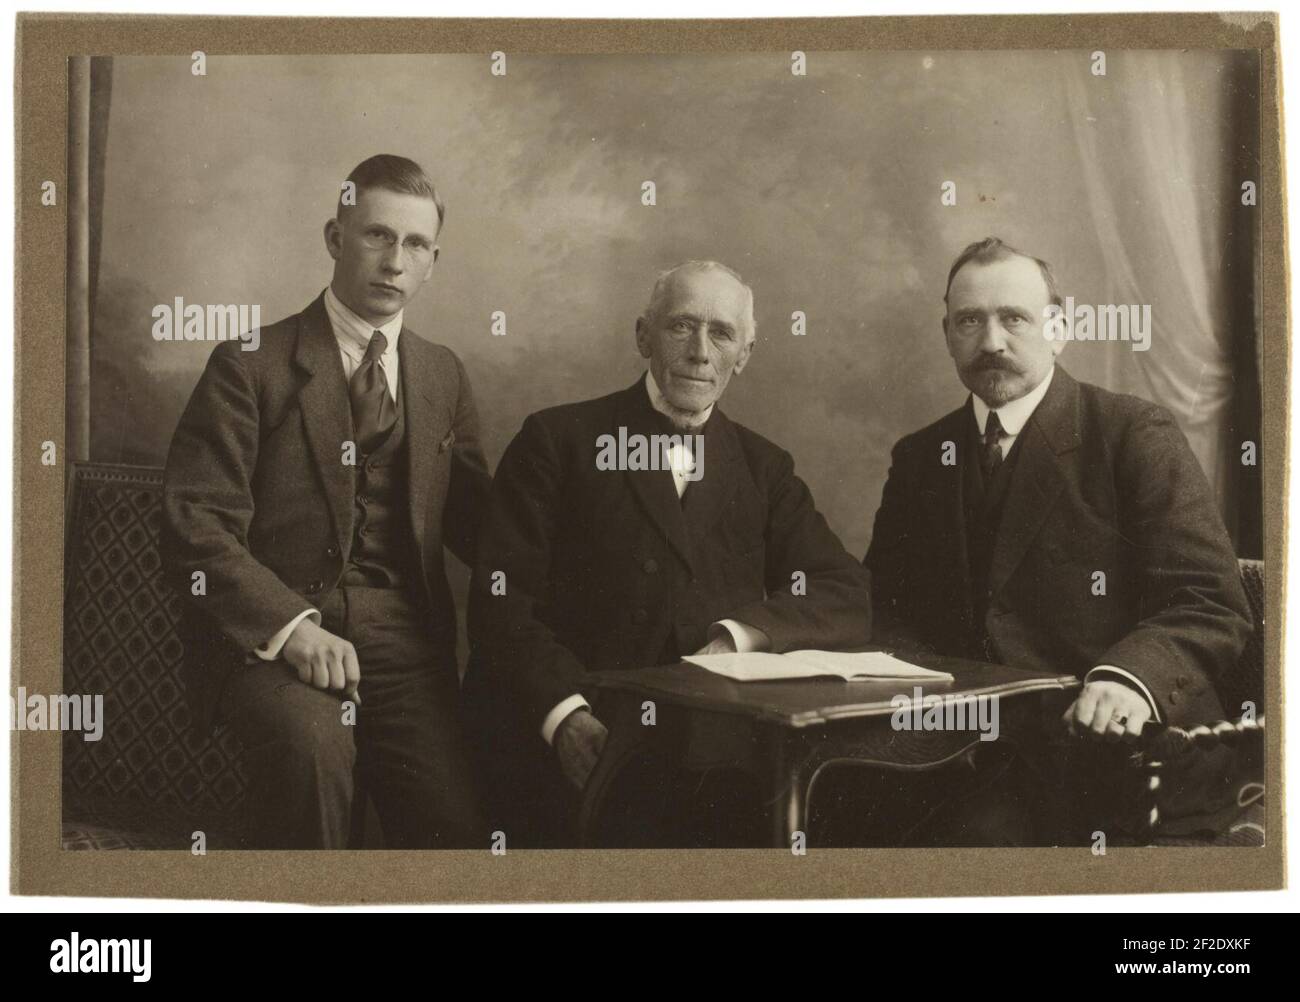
<point>654,489</point>
<point>1051,431</point>
<point>326,413</point>
<point>706,498</point>
<point>427,396</point>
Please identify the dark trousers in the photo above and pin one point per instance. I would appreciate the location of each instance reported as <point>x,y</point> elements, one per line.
<point>407,744</point>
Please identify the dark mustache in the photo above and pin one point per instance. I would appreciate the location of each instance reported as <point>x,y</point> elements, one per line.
<point>994,364</point>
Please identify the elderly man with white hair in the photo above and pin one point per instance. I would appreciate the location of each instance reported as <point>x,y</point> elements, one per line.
<point>633,529</point>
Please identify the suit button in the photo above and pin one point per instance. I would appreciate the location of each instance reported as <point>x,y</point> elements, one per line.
<point>314,587</point>
<point>332,551</point>
<point>1175,696</point>
<point>640,616</point>
<point>1182,680</point>
<point>651,565</point>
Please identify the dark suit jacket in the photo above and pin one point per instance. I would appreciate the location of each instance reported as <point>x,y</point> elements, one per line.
<point>257,497</point>
<point>1104,482</point>
<point>609,570</point>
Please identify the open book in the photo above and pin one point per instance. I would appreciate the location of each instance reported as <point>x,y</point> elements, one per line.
<point>759,667</point>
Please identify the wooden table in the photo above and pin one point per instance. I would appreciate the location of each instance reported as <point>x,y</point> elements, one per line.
<point>784,733</point>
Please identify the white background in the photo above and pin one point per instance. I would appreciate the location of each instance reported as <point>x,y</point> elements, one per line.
<point>1290,45</point>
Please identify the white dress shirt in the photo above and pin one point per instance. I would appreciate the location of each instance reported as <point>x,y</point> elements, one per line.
<point>681,459</point>
<point>353,335</point>
<point>1013,417</point>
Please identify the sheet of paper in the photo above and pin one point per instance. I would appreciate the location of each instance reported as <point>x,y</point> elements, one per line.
<point>757,666</point>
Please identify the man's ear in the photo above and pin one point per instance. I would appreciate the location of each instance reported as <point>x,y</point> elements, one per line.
<point>433,259</point>
<point>334,238</point>
<point>742,359</point>
<point>643,337</point>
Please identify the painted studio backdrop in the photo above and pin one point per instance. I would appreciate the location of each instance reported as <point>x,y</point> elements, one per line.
<point>825,191</point>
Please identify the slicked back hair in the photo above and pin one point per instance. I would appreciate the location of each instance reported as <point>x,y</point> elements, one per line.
<point>660,291</point>
<point>392,173</point>
<point>992,249</point>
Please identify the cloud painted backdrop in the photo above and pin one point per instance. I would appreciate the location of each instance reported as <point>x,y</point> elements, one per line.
<point>823,191</point>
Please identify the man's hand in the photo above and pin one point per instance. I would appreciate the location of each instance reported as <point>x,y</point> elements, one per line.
<point>721,644</point>
<point>1108,710</point>
<point>323,660</point>
<point>578,742</point>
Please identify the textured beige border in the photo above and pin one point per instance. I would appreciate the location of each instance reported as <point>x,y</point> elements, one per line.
<point>39,866</point>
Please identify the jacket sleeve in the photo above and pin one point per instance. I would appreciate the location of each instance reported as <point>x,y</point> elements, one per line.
<point>208,506</point>
<point>817,594</point>
<point>470,483</point>
<point>1193,618</point>
<point>891,557</point>
<point>525,663</point>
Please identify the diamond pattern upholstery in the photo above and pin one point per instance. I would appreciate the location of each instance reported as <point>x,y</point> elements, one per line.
<point>150,781</point>
<point>1245,680</point>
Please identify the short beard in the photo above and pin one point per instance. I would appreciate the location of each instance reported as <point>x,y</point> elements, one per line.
<point>997,391</point>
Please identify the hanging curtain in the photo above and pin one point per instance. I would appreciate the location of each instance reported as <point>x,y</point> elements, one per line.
<point>89,90</point>
<point>1167,219</point>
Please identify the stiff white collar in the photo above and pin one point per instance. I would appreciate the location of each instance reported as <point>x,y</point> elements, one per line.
<point>1013,415</point>
<point>353,332</point>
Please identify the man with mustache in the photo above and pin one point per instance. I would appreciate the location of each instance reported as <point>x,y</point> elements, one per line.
<point>585,568</point>
<point>311,487</point>
<point>1053,525</point>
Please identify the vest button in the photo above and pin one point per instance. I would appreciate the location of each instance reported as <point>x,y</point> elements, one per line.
<point>640,616</point>
<point>332,551</point>
<point>314,587</point>
<point>651,565</point>
<point>362,500</point>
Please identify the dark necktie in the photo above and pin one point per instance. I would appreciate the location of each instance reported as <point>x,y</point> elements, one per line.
<point>373,410</point>
<point>991,453</point>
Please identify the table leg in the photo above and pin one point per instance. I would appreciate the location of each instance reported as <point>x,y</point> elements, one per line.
<point>789,772</point>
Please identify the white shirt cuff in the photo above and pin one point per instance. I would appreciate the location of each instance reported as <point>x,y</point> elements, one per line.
<point>1137,682</point>
<point>270,650</point>
<point>745,638</point>
<point>561,710</point>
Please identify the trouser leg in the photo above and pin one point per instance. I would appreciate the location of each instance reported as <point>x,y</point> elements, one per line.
<point>299,755</point>
<point>410,739</point>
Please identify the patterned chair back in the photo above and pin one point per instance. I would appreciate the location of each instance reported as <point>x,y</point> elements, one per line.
<point>1245,681</point>
<point>119,639</point>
